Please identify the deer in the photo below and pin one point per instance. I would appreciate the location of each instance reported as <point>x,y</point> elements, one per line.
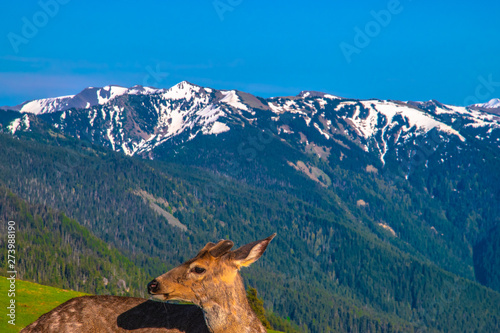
<point>211,282</point>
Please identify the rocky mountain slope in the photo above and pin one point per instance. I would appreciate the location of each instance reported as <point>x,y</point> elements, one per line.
<point>418,181</point>
<point>137,120</point>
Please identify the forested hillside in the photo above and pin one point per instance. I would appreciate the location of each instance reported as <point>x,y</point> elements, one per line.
<point>332,267</point>
<point>55,250</point>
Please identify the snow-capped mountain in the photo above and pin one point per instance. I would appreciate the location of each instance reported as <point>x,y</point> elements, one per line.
<point>86,98</point>
<point>492,104</point>
<point>492,107</point>
<point>137,123</point>
<point>137,120</point>
<point>478,123</point>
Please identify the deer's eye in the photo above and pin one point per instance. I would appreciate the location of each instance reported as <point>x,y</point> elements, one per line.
<point>198,270</point>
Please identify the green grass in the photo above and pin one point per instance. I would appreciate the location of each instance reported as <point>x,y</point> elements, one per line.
<point>32,300</point>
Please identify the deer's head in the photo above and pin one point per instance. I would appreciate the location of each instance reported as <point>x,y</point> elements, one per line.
<point>211,276</point>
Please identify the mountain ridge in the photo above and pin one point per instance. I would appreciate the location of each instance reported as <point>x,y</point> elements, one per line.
<point>339,179</point>
<point>355,275</point>
<point>138,89</point>
<point>186,110</point>
<point>268,141</point>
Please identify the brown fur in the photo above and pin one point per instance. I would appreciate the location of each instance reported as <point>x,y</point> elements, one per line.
<point>219,291</point>
<point>218,294</point>
<point>102,314</point>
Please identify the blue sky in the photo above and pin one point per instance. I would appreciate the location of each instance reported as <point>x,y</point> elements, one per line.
<point>404,50</point>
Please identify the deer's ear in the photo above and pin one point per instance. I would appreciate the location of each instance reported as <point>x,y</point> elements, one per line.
<point>221,248</point>
<point>250,253</point>
<point>207,247</point>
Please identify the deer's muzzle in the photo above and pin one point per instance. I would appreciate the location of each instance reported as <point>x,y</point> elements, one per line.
<point>153,287</point>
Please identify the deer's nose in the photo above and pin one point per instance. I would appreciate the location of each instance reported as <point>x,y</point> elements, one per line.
<point>152,286</point>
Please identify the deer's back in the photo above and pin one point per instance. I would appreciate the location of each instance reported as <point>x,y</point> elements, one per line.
<point>119,314</point>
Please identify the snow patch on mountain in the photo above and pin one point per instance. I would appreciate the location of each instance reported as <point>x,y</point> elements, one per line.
<point>316,94</point>
<point>463,116</point>
<point>40,106</point>
<point>182,90</point>
<point>108,93</point>
<point>492,104</point>
<point>14,125</point>
<point>421,120</point>
<point>218,128</point>
<point>321,131</point>
<point>140,90</point>
<point>282,105</point>
<point>232,99</point>
<point>22,123</point>
<point>87,98</point>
